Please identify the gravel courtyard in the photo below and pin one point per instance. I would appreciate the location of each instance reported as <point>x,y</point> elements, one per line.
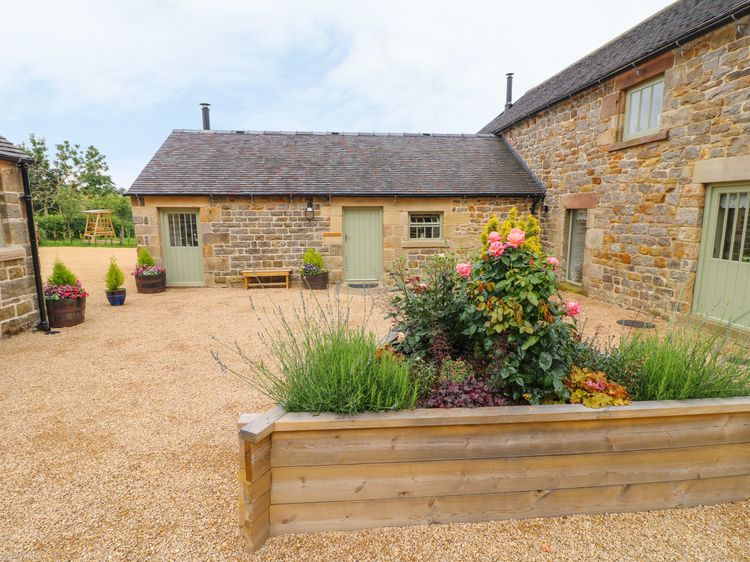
<point>118,442</point>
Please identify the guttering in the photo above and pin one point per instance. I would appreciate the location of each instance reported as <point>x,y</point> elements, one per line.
<point>399,194</point>
<point>43,324</point>
<point>674,44</point>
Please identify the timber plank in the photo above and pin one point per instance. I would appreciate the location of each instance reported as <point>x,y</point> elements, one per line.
<point>399,444</point>
<point>491,476</point>
<point>261,426</point>
<point>511,414</point>
<point>346,516</point>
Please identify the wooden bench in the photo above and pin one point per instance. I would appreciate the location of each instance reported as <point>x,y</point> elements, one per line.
<point>255,278</point>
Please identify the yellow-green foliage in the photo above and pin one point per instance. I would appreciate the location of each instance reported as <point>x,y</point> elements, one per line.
<point>61,275</point>
<point>528,223</point>
<point>114,278</point>
<point>594,390</point>
<point>144,257</point>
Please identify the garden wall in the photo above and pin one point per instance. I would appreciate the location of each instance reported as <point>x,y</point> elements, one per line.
<point>302,473</point>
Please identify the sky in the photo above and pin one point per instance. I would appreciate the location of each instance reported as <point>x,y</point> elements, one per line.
<point>121,75</point>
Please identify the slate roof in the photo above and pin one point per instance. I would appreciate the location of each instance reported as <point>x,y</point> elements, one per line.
<point>677,22</point>
<point>9,151</point>
<point>364,164</point>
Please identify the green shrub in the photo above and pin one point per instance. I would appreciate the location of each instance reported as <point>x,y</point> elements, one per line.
<point>54,226</point>
<point>456,370</point>
<point>528,223</point>
<point>686,363</point>
<point>321,364</point>
<point>61,275</point>
<point>312,262</point>
<point>612,360</point>
<point>114,278</point>
<point>144,257</point>
<point>424,375</point>
<point>427,309</point>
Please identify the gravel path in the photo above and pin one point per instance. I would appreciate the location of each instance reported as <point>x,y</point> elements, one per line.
<point>118,442</point>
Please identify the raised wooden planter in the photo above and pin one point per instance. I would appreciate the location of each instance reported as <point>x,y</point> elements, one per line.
<point>302,473</point>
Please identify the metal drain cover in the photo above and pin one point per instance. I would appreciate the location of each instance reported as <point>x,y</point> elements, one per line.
<point>636,324</point>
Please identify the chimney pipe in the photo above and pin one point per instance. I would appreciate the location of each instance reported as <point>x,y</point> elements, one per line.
<point>509,91</point>
<point>206,119</point>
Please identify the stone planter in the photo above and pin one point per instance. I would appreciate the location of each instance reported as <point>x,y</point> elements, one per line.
<point>318,281</point>
<point>151,283</point>
<point>303,473</point>
<point>116,298</point>
<point>65,313</point>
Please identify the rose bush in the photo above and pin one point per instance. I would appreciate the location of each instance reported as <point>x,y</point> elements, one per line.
<point>501,311</point>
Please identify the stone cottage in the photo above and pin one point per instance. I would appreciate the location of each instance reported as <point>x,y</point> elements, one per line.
<point>212,204</point>
<point>643,147</point>
<point>18,295</point>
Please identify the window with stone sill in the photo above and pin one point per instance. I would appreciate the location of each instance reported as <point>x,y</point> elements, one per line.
<point>425,226</point>
<point>643,109</point>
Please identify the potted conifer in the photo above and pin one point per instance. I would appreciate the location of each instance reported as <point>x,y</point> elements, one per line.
<point>113,281</point>
<point>65,297</point>
<point>314,275</point>
<point>149,277</point>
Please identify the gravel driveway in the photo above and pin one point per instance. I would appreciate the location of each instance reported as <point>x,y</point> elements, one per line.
<point>118,442</point>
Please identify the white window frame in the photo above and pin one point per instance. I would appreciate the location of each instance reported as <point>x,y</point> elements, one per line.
<point>438,225</point>
<point>631,94</point>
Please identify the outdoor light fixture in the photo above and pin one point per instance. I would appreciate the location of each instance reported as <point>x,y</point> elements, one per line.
<point>310,210</point>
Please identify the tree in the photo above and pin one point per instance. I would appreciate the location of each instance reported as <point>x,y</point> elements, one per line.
<point>69,203</point>
<point>42,178</point>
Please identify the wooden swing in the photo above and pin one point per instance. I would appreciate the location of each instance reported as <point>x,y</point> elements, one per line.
<point>99,225</point>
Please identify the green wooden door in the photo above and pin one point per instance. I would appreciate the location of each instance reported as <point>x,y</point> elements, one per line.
<point>722,289</point>
<point>181,249</point>
<point>363,244</point>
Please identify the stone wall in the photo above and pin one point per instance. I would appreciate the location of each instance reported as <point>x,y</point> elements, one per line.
<point>644,202</point>
<point>241,233</point>
<point>18,306</point>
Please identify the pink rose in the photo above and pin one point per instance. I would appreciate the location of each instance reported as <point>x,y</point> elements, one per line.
<point>497,248</point>
<point>516,237</point>
<point>553,261</point>
<point>464,269</point>
<point>574,309</point>
<point>495,237</point>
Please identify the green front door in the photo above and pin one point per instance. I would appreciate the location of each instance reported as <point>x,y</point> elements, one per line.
<point>181,247</point>
<point>363,244</point>
<point>722,290</point>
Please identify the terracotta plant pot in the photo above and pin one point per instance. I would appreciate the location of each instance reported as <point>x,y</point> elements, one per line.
<point>317,281</point>
<point>116,298</point>
<point>65,313</point>
<point>151,283</point>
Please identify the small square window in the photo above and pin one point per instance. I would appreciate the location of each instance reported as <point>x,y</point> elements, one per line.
<point>643,109</point>
<point>425,226</point>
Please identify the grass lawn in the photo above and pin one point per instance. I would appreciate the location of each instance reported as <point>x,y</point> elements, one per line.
<point>77,242</point>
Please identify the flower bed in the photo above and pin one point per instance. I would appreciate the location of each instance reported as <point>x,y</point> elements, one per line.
<point>305,473</point>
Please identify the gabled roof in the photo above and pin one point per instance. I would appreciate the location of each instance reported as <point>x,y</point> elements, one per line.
<point>677,23</point>
<point>364,164</point>
<point>9,151</point>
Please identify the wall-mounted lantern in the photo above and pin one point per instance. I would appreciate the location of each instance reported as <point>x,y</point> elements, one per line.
<point>310,210</point>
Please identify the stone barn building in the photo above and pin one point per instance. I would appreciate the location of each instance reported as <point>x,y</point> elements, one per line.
<point>212,204</point>
<point>643,147</point>
<point>19,307</point>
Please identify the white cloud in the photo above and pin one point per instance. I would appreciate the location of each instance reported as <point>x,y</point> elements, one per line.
<point>386,65</point>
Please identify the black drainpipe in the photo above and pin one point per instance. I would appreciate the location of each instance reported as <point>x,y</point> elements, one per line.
<point>43,322</point>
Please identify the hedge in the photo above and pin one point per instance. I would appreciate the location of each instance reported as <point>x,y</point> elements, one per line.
<point>54,227</point>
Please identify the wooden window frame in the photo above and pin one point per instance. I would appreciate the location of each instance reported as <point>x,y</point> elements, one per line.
<point>629,94</point>
<point>439,226</point>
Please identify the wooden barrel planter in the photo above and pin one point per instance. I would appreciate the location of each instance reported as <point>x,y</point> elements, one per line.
<point>151,283</point>
<point>65,313</point>
<point>318,281</point>
<point>304,473</point>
